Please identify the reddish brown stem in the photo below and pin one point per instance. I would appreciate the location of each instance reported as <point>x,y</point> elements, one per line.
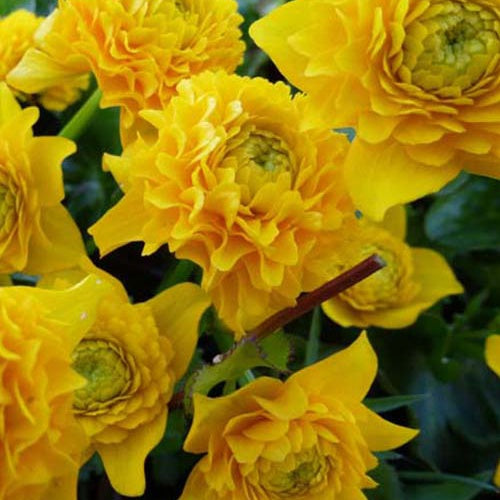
<point>310,300</point>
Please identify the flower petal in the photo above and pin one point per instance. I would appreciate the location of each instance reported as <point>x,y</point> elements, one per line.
<point>381,176</point>
<point>177,312</point>
<point>46,154</point>
<point>212,414</point>
<point>329,376</point>
<point>121,224</point>
<point>124,462</point>
<point>56,243</point>
<point>343,314</point>
<point>380,434</point>
<point>492,353</point>
<point>434,275</point>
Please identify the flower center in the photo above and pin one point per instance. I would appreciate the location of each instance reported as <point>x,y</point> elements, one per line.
<point>108,375</point>
<point>450,47</point>
<point>391,285</point>
<point>297,475</point>
<point>260,158</point>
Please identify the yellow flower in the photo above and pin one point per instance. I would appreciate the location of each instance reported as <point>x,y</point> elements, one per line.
<point>140,50</point>
<point>16,37</point>
<point>37,234</point>
<point>419,80</point>
<point>492,353</point>
<point>48,65</point>
<point>412,281</point>
<point>41,443</point>
<point>237,182</point>
<point>132,356</point>
<point>309,438</point>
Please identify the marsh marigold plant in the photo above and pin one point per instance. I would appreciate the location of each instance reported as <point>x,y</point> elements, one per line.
<point>238,181</point>
<point>37,234</point>
<point>41,443</point>
<point>131,357</point>
<point>412,280</point>
<point>309,438</point>
<point>419,80</point>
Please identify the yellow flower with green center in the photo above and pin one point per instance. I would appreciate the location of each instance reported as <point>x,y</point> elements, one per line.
<point>131,357</point>
<point>419,80</point>
<point>37,234</point>
<point>309,438</point>
<point>238,179</point>
<point>21,36</point>
<point>138,50</point>
<point>42,443</point>
<point>413,279</point>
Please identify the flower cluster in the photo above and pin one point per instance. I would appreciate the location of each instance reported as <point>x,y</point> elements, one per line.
<point>250,183</point>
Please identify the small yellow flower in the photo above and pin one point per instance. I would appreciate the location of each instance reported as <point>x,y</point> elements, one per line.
<point>44,62</point>
<point>419,80</point>
<point>237,180</point>
<point>492,353</point>
<point>16,37</point>
<point>37,234</point>
<point>412,281</point>
<point>41,443</point>
<point>131,357</point>
<point>309,438</point>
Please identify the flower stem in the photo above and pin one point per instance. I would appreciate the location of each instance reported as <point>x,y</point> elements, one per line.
<point>309,300</point>
<point>312,348</point>
<point>81,119</point>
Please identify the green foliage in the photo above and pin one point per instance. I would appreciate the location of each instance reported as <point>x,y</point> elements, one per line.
<point>466,216</point>
<point>273,352</point>
<point>7,6</point>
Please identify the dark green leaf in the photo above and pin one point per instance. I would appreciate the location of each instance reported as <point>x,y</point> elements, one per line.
<point>389,487</point>
<point>389,403</point>
<point>468,218</point>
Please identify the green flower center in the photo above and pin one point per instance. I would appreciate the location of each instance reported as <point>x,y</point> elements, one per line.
<point>450,47</point>
<point>108,375</point>
<point>299,474</point>
<point>258,158</point>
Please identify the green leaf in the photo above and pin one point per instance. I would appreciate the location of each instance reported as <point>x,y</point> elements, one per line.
<point>459,420</point>
<point>8,6</point>
<point>313,343</point>
<point>389,403</point>
<point>273,352</point>
<point>276,350</point>
<point>450,487</point>
<point>467,218</point>
<point>389,487</point>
